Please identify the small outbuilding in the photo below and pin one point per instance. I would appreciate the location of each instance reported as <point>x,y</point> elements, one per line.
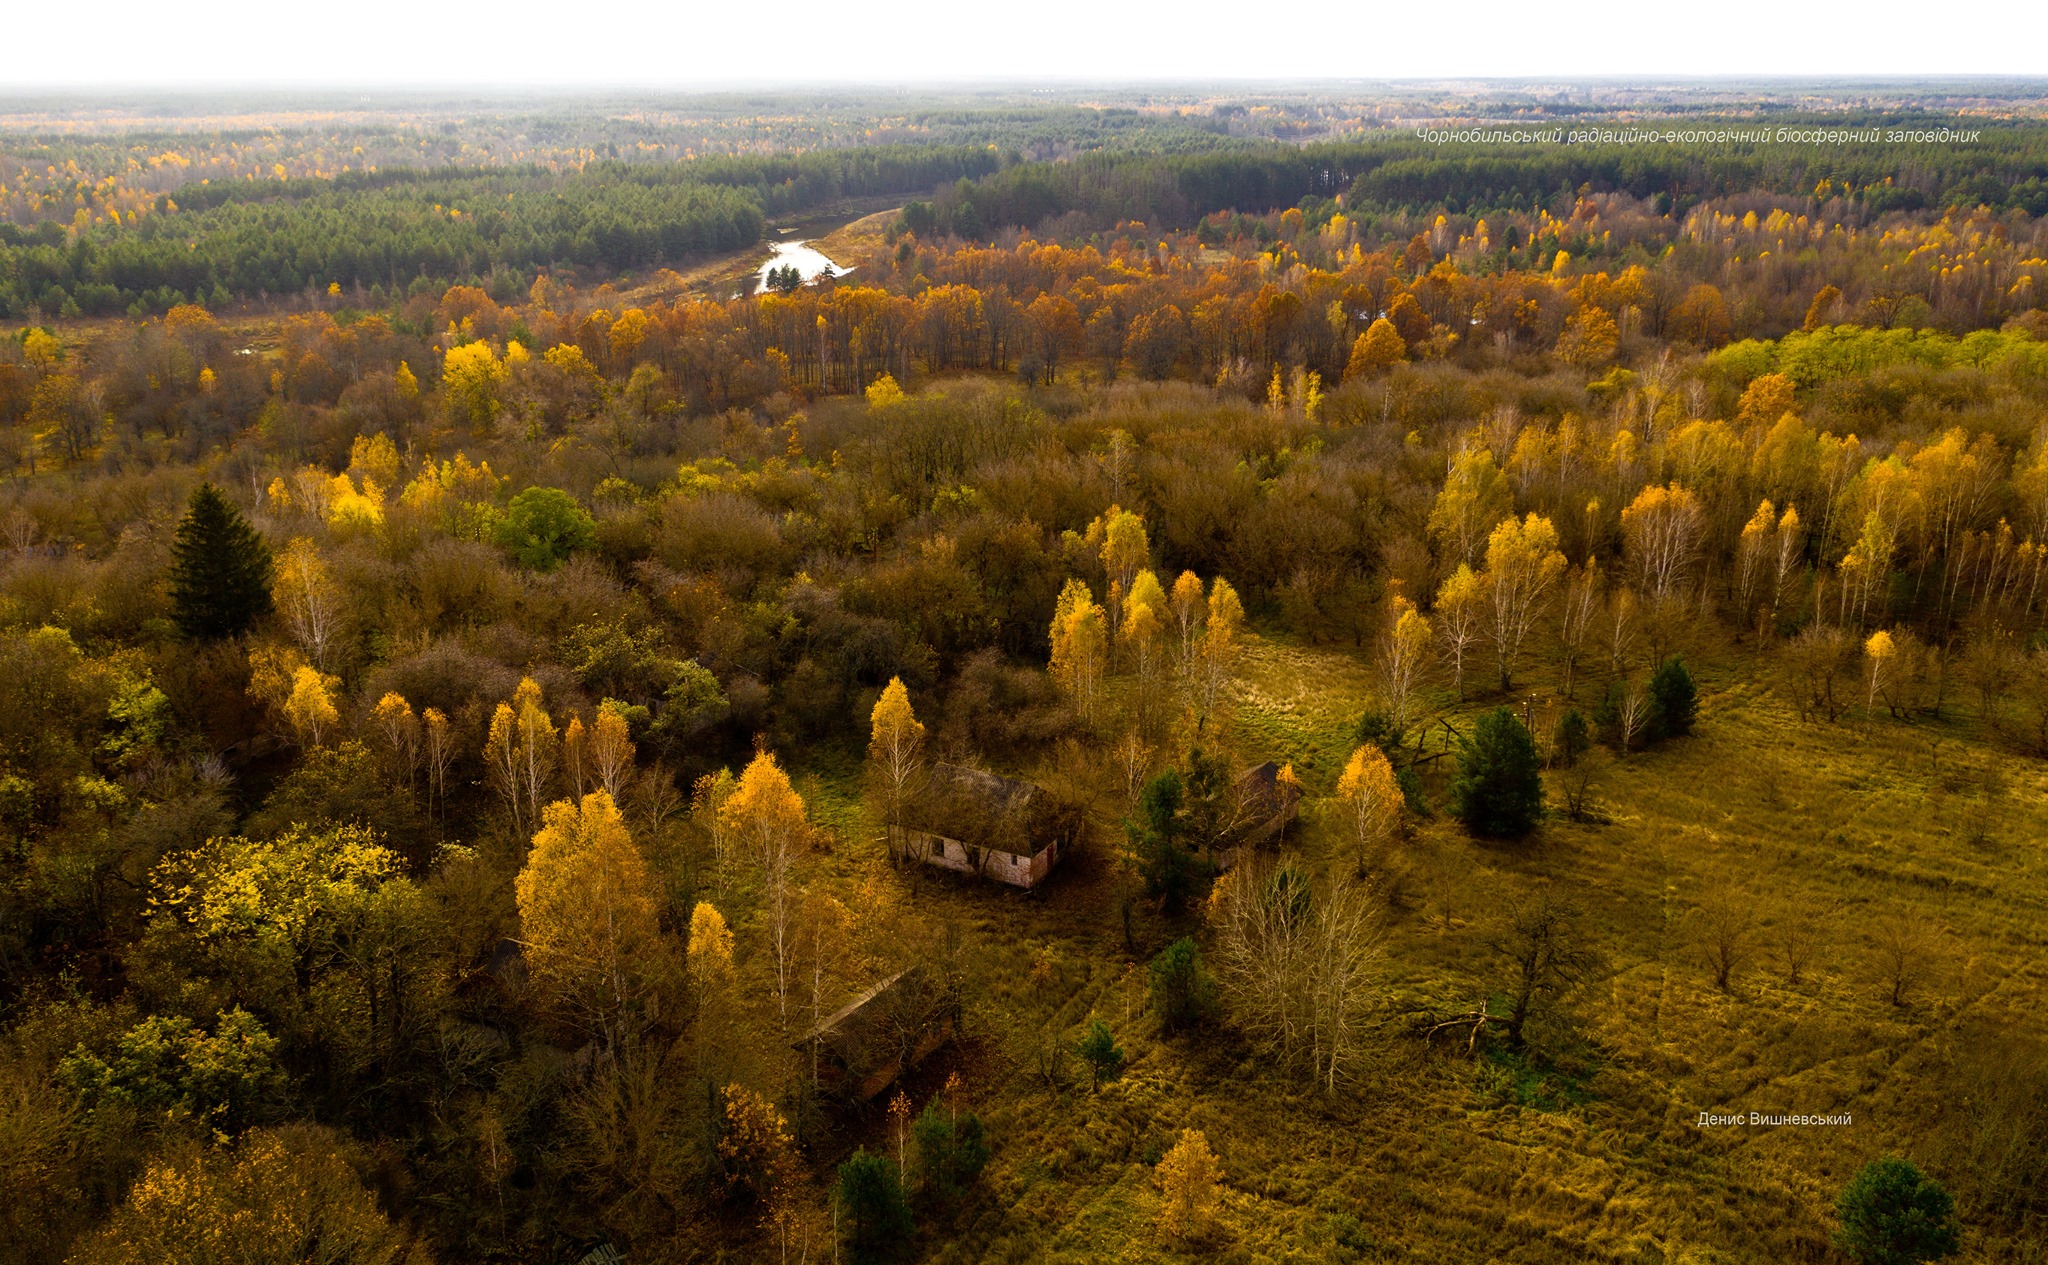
<point>1263,803</point>
<point>1267,802</point>
<point>879,1035</point>
<point>980,823</point>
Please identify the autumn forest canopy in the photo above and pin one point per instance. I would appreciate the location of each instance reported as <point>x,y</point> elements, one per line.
<point>1231,681</point>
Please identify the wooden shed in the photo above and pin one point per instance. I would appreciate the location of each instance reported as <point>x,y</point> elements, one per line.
<point>1268,804</point>
<point>1262,805</point>
<point>867,1043</point>
<point>980,823</point>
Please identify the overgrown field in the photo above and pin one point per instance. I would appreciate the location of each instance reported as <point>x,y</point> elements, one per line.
<point>1587,1149</point>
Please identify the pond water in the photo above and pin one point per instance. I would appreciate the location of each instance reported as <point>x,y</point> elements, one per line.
<point>798,254</point>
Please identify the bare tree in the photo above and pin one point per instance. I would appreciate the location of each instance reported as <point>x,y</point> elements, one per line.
<point>1797,928</point>
<point>1575,622</point>
<point>1543,954</point>
<point>1296,961</point>
<point>1724,929</point>
<point>824,950</point>
<point>1622,630</point>
<point>1819,665</point>
<point>1133,757</point>
<point>1577,779</point>
<point>1445,872</point>
<point>21,530</point>
<point>1632,713</point>
<point>1343,974</point>
<point>1996,1107</point>
<point>1546,955</point>
<point>1904,946</point>
<point>1118,455</point>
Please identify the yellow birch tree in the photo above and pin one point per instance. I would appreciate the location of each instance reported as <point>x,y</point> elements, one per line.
<point>1187,1177</point>
<point>766,810</point>
<point>1372,803</point>
<point>588,920</point>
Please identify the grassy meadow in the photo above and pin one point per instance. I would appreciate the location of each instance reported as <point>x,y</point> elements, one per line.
<point>1853,835</point>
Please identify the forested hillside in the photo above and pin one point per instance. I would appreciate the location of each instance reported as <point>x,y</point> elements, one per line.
<point>1506,667</point>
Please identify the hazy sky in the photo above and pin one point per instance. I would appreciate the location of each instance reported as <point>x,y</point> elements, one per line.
<point>123,43</point>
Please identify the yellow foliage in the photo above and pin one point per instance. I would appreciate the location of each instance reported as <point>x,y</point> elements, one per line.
<point>894,729</point>
<point>627,333</point>
<point>1226,614</point>
<point>710,947</point>
<point>1145,615</point>
<point>1589,338</point>
<point>883,392</point>
<point>273,890</point>
<point>587,915</point>
<point>611,749</point>
<point>349,507</point>
<point>1475,496</point>
<point>1080,643</point>
<point>1187,1177</point>
<point>892,720</point>
<point>40,348</point>
<point>307,598</point>
<point>1378,349</point>
<point>393,716</point>
<point>374,460</point>
<point>764,805</point>
<point>1662,529</point>
<point>1766,399</point>
<point>1120,535</point>
<point>472,374</point>
<point>1458,603</point>
<point>310,705</point>
<point>1403,653</point>
<point>457,479</point>
<point>1372,802</point>
<point>271,669</point>
<point>569,360</point>
<point>1189,603</point>
<point>754,1147</point>
<point>279,1197</point>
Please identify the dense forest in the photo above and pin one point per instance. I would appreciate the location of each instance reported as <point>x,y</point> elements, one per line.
<point>385,230</point>
<point>1216,697</point>
<point>103,229</point>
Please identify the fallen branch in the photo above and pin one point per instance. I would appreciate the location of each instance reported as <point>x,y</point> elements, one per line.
<point>1475,1020</point>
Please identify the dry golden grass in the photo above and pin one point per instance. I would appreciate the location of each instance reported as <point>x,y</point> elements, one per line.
<point>1590,1153</point>
<point>852,243</point>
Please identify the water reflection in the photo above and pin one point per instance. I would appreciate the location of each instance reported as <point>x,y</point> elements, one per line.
<point>809,264</point>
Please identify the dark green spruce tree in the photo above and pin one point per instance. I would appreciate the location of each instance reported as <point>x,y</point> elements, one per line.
<point>1499,789</point>
<point>1167,868</point>
<point>220,569</point>
<point>1892,1214</point>
<point>1675,698</point>
<point>874,1213</point>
